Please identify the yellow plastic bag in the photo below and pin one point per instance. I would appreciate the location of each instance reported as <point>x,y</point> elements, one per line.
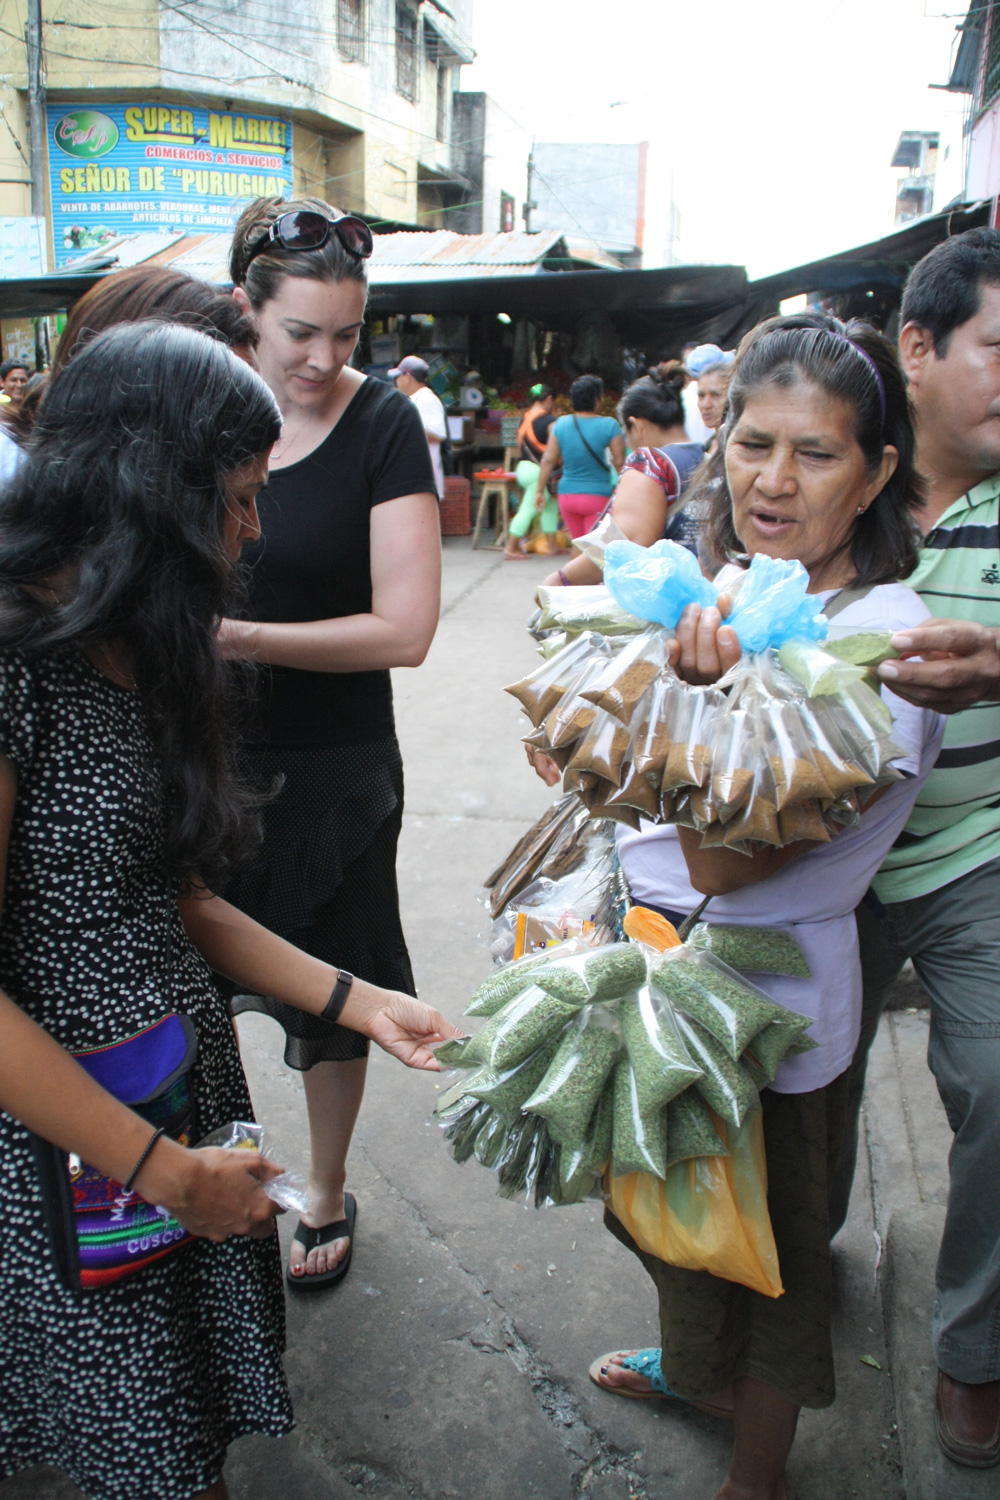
<point>710,1214</point>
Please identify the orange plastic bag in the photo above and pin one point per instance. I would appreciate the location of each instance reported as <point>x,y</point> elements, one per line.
<point>710,1214</point>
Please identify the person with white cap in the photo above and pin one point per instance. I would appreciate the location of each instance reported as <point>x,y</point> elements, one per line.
<point>711,367</point>
<point>410,376</point>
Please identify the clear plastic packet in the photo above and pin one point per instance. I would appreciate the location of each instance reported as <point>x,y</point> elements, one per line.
<point>818,669</point>
<point>638,1136</point>
<point>568,1093</point>
<point>603,805</point>
<point>626,679</point>
<point>725,1085</point>
<point>591,1157</point>
<point>584,607</point>
<point>701,806</point>
<point>539,692</point>
<point>784,1037</point>
<point>518,1030</point>
<point>714,995</point>
<point>506,1092</point>
<point>862,648</point>
<point>690,1130</point>
<point>803,820</point>
<point>774,605</point>
<point>521,865</point>
<point>831,750</point>
<point>691,725</point>
<point>503,984</point>
<point>288,1190</point>
<point>580,904</point>
<point>602,974</point>
<point>656,583</point>
<point>651,738</point>
<point>462,1126</point>
<point>528,1165</point>
<point>736,753</point>
<point>636,791</point>
<point>755,950</point>
<point>490,1140</point>
<point>756,822</point>
<point>595,542</point>
<point>602,750</point>
<point>797,777</point>
<point>450,1054</point>
<point>661,1063</point>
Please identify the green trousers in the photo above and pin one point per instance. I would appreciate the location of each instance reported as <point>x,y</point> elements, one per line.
<point>527,478</point>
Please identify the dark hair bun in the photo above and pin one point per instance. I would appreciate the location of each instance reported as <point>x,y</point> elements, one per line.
<point>670,375</point>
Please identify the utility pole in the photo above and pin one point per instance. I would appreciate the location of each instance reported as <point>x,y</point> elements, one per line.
<point>36,108</point>
<point>529,202</point>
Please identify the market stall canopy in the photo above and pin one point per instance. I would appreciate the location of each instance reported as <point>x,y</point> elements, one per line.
<point>883,264</point>
<point>445,255</point>
<point>646,307</point>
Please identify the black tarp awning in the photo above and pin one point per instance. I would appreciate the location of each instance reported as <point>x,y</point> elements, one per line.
<point>38,296</point>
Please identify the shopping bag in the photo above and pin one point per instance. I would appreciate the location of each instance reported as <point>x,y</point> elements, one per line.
<point>710,1214</point>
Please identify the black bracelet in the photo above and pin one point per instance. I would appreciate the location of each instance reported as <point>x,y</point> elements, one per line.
<point>337,1001</point>
<point>127,1184</point>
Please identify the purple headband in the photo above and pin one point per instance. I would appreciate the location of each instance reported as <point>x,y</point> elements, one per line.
<point>835,334</point>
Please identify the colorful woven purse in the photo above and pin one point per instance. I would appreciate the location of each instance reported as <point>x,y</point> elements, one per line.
<point>117,1233</point>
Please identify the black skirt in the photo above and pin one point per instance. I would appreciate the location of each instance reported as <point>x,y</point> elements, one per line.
<point>325,879</point>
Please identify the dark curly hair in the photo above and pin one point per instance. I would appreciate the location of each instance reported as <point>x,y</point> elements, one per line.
<point>124,491</point>
<point>812,347</point>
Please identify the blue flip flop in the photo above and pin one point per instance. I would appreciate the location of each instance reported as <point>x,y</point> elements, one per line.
<point>648,1362</point>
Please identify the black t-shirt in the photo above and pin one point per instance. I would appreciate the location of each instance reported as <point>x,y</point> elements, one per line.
<point>313,561</point>
<point>540,427</point>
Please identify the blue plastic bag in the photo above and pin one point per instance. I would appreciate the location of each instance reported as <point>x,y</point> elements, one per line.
<point>656,583</point>
<point>773,607</point>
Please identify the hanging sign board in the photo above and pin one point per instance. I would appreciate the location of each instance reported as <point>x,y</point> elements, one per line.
<point>127,169</point>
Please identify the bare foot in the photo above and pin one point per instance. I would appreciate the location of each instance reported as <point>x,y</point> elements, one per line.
<point>324,1209</point>
<point>515,555</point>
<point>614,1377</point>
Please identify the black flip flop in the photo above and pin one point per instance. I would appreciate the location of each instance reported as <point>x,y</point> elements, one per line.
<point>312,1238</point>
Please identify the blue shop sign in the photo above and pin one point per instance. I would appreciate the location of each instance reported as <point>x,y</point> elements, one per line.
<point>126,169</point>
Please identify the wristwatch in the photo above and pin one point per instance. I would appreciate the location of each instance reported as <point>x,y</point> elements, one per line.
<point>337,1001</point>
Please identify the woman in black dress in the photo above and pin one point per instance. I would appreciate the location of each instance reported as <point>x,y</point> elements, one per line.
<point>118,541</point>
<point>345,585</point>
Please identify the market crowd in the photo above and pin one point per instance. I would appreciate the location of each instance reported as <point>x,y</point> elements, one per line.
<point>217,538</point>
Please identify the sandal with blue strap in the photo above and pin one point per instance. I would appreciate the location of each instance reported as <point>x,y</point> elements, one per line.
<point>647,1362</point>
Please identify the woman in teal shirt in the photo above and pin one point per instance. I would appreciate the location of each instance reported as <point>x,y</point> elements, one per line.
<point>580,443</point>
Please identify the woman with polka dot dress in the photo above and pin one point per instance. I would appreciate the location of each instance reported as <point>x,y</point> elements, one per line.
<point>119,811</point>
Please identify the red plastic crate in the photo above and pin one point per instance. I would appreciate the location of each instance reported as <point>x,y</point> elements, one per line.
<point>454,508</point>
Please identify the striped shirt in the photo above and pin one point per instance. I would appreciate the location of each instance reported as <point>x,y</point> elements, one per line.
<point>955,823</point>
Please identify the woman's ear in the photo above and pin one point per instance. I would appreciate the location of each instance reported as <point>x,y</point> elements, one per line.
<point>241,299</point>
<point>886,468</point>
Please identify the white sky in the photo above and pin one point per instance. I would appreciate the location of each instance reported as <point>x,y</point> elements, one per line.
<point>777,119</point>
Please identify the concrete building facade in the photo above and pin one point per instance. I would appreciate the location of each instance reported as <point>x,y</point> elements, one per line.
<point>357,93</point>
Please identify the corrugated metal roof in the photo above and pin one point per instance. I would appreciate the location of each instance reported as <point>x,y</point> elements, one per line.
<point>446,249</point>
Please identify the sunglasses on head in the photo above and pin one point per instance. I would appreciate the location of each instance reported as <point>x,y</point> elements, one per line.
<point>306,229</point>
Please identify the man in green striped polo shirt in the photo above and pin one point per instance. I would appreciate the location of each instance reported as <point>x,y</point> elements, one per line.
<point>937,898</point>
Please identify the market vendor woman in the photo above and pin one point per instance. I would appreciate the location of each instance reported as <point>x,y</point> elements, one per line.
<point>816,463</point>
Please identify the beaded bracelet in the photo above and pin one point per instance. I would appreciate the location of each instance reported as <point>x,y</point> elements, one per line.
<point>563,579</point>
<point>127,1184</point>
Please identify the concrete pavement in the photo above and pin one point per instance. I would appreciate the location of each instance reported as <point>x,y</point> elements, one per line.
<point>452,1362</point>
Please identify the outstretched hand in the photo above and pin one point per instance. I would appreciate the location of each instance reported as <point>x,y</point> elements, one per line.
<point>400,1025</point>
<point>705,648</point>
<point>959,665</point>
<point>213,1192</point>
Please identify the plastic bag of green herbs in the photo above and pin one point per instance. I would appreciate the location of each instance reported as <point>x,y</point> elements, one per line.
<point>584,607</point>
<point>462,1127</point>
<point>638,1136</point>
<point>661,1063</point>
<point>591,1156</point>
<point>504,984</point>
<point>601,974</point>
<point>783,1038</point>
<point>568,1093</point>
<point>507,1092</point>
<point>691,1131</point>
<point>725,1085</point>
<point>714,995</point>
<point>518,1030</point>
<point>753,950</point>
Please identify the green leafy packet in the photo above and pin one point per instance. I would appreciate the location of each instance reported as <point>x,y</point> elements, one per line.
<point>513,979</point>
<point>568,1093</point>
<point>518,1030</point>
<point>601,974</point>
<point>726,1086</point>
<point>690,1130</point>
<point>507,1092</point>
<point>592,1156</point>
<point>462,1130</point>
<point>661,1063</point>
<point>754,950</point>
<point>638,1137</point>
<point>783,1038</point>
<point>714,995</point>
